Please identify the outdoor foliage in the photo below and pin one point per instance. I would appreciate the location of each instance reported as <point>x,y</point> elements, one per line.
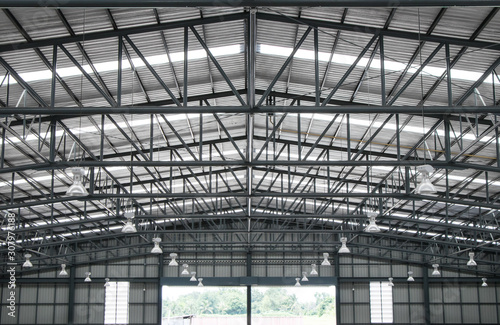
<point>229,301</point>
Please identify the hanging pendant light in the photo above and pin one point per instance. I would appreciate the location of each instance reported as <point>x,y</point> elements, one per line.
<point>200,282</point>
<point>297,283</point>
<point>77,188</point>
<point>129,225</point>
<point>313,270</point>
<point>344,249</point>
<point>325,262</point>
<point>304,277</point>
<point>27,263</point>
<point>185,269</point>
<point>425,186</point>
<point>410,277</point>
<point>372,226</point>
<point>107,284</point>
<point>173,262</point>
<point>471,261</point>
<point>87,277</point>
<point>63,270</point>
<point>193,277</point>
<point>436,271</point>
<point>391,284</point>
<point>157,249</point>
<point>484,282</point>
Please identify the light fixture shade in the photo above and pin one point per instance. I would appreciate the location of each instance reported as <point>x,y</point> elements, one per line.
<point>344,249</point>
<point>106,284</point>
<point>297,283</point>
<point>436,271</point>
<point>484,282</point>
<point>173,262</point>
<point>313,270</point>
<point>157,249</point>
<point>77,188</point>
<point>87,278</point>
<point>27,263</point>
<point>129,226</point>
<point>193,277</point>
<point>471,261</point>
<point>372,226</point>
<point>391,284</point>
<point>304,277</point>
<point>425,186</point>
<point>185,269</point>
<point>63,270</point>
<point>200,282</point>
<point>325,262</point>
<point>410,276</point>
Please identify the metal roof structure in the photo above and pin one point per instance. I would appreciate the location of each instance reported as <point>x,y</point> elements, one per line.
<point>270,125</point>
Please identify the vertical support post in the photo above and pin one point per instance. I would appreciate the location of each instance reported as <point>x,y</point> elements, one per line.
<point>249,287</point>
<point>337,291</point>
<point>185,90</point>
<point>316,66</point>
<point>382,70</point>
<point>120,70</point>
<point>159,302</point>
<point>427,308</point>
<point>54,76</point>
<point>252,49</point>
<point>448,74</point>
<point>71,297</point>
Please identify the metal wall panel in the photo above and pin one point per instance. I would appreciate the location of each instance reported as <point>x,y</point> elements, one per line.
<point>416,293</point>
<point>136,313</point>
<point>136,293</point>
<point>44,314</point>
<point>360,271</point>
<point>26,314</point>
<point>346,312</point>
<point>137,271</point>
<point>417,313</point>
<point>346,293</point>
<point>61,314</point>
<point>437,313</point>
<point>62,293</point>
<point>46,293</point>
<point>489,313</point>
<point>97,293</point>
<point>98,271</point>
<point>150,314</point>
<point>151,293</point>
<point>362,312</point>
<point>401,313</point>
<point>27,293</point>
<point>487,295</point>
<point>400,293</point>
<point>81,293</point>
<point>361,292</point>
<point>96,314</point>
<point>469,293</point>
<point>451,294</point>
<point>452,314</point>
<point>470,313</point>
<point>435,293</point>
<point>117,270</point>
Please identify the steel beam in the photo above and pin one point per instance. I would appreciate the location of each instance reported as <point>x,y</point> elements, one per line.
<point>244,3</point>
<point>352,109</point>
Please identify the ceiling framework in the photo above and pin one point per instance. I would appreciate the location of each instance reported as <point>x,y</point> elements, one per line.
<point>219,134</point>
